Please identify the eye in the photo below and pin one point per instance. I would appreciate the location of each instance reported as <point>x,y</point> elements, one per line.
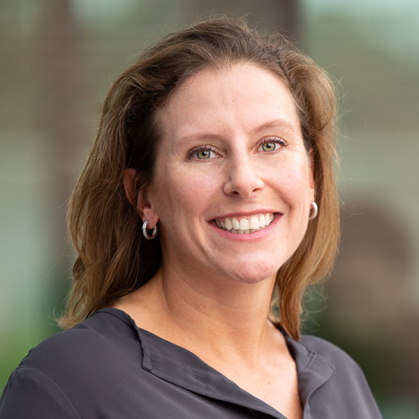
<point>271,144</point>
<point>203,153</point>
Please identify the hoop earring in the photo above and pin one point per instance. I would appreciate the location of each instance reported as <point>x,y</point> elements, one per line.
<point>315,211</point>
<point>145,232</point>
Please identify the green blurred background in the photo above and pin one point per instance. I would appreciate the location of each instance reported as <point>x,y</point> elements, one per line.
<point>57,61</point>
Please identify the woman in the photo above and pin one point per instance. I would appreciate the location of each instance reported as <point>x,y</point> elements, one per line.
<point>206,207</point>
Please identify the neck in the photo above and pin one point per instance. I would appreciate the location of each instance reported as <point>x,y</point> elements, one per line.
<point>216,317</point>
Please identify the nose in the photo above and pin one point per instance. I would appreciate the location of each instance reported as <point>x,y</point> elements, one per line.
<point>244,178</point>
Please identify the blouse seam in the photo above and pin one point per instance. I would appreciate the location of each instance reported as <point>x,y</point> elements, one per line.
<point>128,321</point>
<point>55,384</point>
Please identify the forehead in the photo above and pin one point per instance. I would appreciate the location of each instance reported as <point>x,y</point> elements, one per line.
<point>240,95</point>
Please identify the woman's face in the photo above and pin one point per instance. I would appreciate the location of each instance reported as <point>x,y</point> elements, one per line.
<point>233,180</point>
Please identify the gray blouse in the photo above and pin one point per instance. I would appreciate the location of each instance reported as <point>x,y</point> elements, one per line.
<point>107,368</point>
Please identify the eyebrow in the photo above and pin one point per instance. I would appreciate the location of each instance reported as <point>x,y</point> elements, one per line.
<point>276,123</point>
<point>282,124</point>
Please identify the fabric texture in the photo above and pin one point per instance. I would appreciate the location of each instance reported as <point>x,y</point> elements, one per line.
<point>107,368</point>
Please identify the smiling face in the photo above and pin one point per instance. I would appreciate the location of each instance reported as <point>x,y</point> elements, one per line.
<point>233,180</point>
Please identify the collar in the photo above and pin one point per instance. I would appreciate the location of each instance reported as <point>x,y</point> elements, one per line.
<point>182,368</point>
<point>313,369</point>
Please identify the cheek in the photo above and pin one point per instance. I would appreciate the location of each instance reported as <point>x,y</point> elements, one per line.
<point>198,192</point>
<point>185,192</point>
<point>295,184</point>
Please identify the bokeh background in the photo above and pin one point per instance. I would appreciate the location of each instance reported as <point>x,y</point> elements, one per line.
<point>57,61</point>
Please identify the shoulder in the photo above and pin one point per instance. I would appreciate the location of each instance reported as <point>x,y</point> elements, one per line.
<point>344,366</point>
<point>90,351</point>
<point>42,397</point>
<point>346,383</point>
<point>57,374</point>
<point>103,332</point>
<point>330,352</point>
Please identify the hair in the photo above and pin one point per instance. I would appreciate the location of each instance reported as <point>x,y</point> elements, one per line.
<point>114,259</point>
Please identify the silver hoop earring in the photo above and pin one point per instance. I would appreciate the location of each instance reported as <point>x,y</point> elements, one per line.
<point>315,211</point>
<point>145,232</point>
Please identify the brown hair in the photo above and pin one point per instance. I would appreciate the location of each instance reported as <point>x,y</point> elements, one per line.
<point>113,257</point>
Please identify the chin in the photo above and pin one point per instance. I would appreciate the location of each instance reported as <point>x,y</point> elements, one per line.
<point>254,273</point>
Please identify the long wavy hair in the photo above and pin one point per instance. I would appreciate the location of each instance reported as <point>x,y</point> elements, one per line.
<point>113,257</point>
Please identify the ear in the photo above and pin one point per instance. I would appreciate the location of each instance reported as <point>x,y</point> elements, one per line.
<point>130,185</point>
<point>140,201</point>
<point>311,174</point>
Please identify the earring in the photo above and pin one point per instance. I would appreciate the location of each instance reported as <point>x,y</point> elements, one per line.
<point>145,232</point>
<point>315,211</point>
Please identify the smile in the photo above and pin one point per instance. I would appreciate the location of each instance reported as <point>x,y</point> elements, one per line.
<point>245,225</point>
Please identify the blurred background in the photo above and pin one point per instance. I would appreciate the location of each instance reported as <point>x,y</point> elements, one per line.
<point>59,57</point>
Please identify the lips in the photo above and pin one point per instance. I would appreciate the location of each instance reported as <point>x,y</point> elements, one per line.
<point>245,225</point>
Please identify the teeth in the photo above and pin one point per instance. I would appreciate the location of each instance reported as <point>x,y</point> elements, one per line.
<point>254,223</point>
<point>228,223</point>
<point>245,225</point>
<point>236,224</point>
<point>262,221</point>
